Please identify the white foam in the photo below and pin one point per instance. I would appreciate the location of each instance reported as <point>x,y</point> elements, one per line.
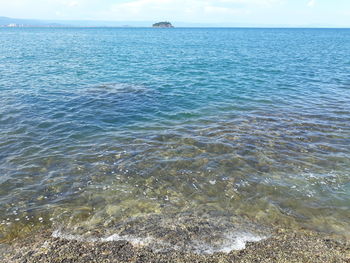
<point>59,234</point>
<point>133,240</point>
<point>115,237</point>
<point>239,240</point>
<point>229,242</point>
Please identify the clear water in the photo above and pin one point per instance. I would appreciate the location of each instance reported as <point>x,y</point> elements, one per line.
<point>102,126</point>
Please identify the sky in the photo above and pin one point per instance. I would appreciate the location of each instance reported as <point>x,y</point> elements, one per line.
<point>225,12</point>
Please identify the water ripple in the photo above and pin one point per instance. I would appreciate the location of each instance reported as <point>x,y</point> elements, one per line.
<point>134,124</point>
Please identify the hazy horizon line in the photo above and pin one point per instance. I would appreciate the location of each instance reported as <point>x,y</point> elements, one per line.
<point>178,24</point>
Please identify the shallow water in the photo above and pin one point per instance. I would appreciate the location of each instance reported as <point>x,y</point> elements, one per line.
<point>102,126</point>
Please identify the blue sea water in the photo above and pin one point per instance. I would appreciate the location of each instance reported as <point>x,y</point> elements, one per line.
<point>100,125</point>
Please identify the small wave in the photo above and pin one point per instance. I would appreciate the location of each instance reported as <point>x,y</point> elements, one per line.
<point>229,242</point>
<point>133,240</point>
<point>111,88</point>
<point>112,238</point>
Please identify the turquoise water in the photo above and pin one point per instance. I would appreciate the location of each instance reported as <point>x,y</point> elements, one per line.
<point>100,126</point>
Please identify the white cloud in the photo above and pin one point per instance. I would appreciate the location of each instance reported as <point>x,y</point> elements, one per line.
<point>185,10</point>
<point>73,3</point>
<point>311,3</point>
<point>48,9</point>
<point>233,12</point>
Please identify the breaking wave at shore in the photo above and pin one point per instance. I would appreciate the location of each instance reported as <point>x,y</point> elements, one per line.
<point>181,232</point>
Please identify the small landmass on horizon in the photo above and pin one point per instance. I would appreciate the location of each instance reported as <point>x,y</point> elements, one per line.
<point>163,25</point>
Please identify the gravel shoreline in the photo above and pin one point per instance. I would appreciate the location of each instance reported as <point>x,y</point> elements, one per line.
<point>282,246</point>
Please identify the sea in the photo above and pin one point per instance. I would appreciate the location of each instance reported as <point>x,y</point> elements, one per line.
<point>215,136</point>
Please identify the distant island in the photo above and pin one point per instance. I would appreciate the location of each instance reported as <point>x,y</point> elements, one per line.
<point>163,25</point>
